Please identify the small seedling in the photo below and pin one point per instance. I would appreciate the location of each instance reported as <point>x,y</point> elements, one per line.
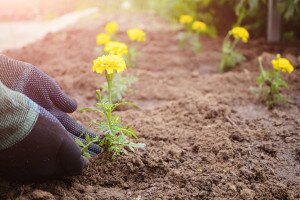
<point>270,83</point>
<point>231,57</point>
<point>121,83</point>
<point>192,30</point>
<point>102,39</point>
<point>116,48</point>
<point>116,136</point>
<point>135,35</point>
<point>112,28</point>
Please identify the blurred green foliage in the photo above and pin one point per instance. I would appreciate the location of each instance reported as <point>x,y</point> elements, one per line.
<point>224,14</point>
<point>120,86</point>
<point>290,9</point>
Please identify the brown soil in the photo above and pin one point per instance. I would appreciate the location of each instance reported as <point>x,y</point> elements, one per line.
<point>207,135</point>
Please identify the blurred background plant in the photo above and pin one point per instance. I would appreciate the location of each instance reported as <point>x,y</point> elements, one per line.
<point>120,87</point>
<point>136,36</point>
<point>224,14</point>
<point>230,56</point>
<point>192,29</point>
<point>107,44</point>
<point>220,14</point>
<point>270,83</point>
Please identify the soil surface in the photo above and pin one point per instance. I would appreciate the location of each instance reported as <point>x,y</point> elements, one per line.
<point>207,135</point>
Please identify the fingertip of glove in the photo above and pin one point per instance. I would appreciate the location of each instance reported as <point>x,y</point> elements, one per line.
<point>72,105</point>
<point>63,101</point>
<point>79,168</point>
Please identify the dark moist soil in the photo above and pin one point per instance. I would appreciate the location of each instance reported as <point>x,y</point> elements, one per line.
<point>207,135</point>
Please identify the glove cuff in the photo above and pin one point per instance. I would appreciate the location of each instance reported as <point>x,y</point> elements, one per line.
<point>18,115</point>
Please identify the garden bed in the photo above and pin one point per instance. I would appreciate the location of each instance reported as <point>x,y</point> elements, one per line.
<point>207,135</point>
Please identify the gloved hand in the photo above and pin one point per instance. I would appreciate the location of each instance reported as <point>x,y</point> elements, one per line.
<point>33,143</point>
<point>43,90</point>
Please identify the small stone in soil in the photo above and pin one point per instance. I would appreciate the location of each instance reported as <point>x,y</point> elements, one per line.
<point>247,194</point>
<point>40,194</point>
<point>236,136</point>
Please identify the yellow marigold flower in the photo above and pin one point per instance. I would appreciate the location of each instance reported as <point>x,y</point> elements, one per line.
<point>102,38</point>
<point>111,27</point>
<point>109,63</point>
<point>185,19</point>
<point>116,48</point>
<point>240,33</point>
<point>199,26</point>
<point>136,34</point>
<point>283,65</point>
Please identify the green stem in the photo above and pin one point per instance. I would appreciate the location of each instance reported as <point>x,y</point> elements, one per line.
<point>260,64</point>
<point>226,38</point>
<point>109,78</point>
<point>241,17</point>
<point>234,44</point>
<point>261,67</point>
<point>271,96</point>
<point>224,54</point>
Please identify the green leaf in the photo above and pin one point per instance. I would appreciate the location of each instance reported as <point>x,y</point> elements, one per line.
<point>87,138</point>
<point>79,142</point>
<point>91,109</point>
<point>120,86</point>
<point>253,4</point>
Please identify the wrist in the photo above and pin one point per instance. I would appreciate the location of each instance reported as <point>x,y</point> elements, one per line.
<point>18,115</point>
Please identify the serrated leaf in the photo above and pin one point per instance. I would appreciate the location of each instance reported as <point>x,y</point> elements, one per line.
<point>79,142</point>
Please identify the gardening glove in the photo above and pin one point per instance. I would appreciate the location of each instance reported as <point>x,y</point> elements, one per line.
<point>33,143</point>
<point>43,90</point>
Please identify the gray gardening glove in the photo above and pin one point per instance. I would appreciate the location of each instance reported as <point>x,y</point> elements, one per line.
<point>33,143</point>
<point>42,89</point>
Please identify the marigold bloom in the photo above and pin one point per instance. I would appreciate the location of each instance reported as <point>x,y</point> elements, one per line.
<point>240,33</point>
<point>136,34</point>
<point>116,48</point>
<point>185,19</point>
<point>109,63</point>
<point>111,27</point>
<point>102,38</point>
<point>199,26</point>
<point>283,65</point>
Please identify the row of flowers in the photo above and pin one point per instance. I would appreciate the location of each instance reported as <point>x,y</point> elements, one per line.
<point>269,82</point>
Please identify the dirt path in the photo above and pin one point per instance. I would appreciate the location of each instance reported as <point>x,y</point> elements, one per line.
<point>19,34</point>
<point>207,137</point>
